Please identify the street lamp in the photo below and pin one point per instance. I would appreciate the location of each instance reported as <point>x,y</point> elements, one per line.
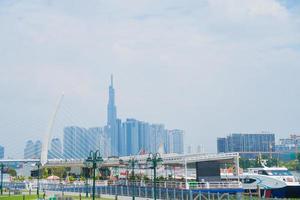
<point>93,161</point>
<point>86,171</point>
<point>2,167</point>
<point>153,161</point>
<point>38,164</point>
<point>131,164</point>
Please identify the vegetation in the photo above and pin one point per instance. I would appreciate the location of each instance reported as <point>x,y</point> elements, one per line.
<point>19,178</point>
<point>270,162</point>
<point>60,172</point>
<point>12,172</point>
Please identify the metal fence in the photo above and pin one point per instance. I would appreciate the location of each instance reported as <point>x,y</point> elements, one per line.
<point>164,191</point>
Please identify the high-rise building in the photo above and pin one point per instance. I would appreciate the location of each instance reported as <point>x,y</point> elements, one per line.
<point>94,137</point>
<point>132,136</point>
<point>144,136</point>
<point>112,119</point>
<point>177,141</point>
<point>249,145</point>
<point>37,149</point>
<point>29,150</point>
<point>157,136</point>
<point>1,152</point>
<point>121,138</point>
<point>55,149</point>
<point>221,145</point>
<point>75,144</point>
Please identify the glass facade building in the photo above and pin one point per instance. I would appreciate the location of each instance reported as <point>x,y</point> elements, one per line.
<point>248,145</point>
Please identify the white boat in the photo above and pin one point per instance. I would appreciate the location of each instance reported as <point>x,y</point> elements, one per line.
<point>272,181</point>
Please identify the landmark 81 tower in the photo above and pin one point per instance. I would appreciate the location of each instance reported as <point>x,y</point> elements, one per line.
<point>112,119</point>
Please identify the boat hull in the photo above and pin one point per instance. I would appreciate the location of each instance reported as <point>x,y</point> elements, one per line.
<point>285,192</point>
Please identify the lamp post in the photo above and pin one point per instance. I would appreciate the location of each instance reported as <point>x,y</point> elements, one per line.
<point>2,167</point>
<point>38,164</point>
<point>93,161</point>
<point>86,183</point>
<point>153,161</point>
<point>131,164</point>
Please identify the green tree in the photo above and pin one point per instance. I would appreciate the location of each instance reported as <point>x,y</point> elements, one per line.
<point>12,172</point>
<point>245,163</point>
<point>271,162</point>
<point>257,162</point>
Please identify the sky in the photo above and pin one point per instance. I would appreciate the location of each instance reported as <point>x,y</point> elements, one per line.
<point>209,67</point>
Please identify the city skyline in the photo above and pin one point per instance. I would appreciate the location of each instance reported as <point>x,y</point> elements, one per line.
<point>116,138</point>
<point>209,68</point>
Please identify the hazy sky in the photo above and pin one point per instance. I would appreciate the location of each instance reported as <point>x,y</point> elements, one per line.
<point>210,67</point>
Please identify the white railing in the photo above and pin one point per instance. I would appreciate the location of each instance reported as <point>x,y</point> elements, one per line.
<point>182,185</point>
<point>167,159</point>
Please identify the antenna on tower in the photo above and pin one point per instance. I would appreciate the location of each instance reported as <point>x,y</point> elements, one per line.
<point>111,80</point>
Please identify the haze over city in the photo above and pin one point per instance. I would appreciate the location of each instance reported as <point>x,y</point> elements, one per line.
<point>206,67</point>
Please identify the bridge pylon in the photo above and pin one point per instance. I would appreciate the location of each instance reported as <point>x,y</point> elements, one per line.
<point>47,137</point>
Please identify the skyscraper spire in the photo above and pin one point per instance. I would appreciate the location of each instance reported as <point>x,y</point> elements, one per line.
<point>111,80</point>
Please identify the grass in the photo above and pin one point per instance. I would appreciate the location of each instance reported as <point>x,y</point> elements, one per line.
<point>18,197</point>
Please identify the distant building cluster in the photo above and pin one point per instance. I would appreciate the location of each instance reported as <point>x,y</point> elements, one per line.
<point>288,148</point>
<point>117,138</point>
<point>248,145</point>
<point>134,137</point>
<point>289,144</point>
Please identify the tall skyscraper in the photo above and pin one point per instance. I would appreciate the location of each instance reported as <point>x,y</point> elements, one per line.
<point>1,152</point>
<point>157,136</point>
<point>144,136</point>
<point>93,139</point>
<point>121,138</point>
<point>221,145</point>
<point>132,136</point>
<point>176,141</point>
<point>29,150</point>
<point>112,119</point>
<point>75,144</point>
<point>55,149</point>
<point>37,149</point>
